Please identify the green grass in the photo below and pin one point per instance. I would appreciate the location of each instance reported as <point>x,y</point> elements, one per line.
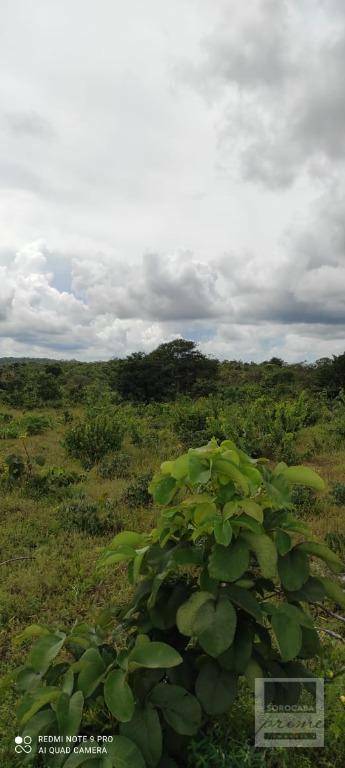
<point>57,584</point>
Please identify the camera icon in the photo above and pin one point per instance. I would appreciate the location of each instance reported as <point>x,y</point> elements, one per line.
<point>23,744</point>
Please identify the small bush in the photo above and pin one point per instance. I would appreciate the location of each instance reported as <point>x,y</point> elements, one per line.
<point>92,439</point>
<point>10,431</point>
<point>137,495</point>
<point>338,493</point>
<point>35,425</point>
<point>16,467</point>
<point>118,465</point>
<point>304,499</point>
<point>52,481</point>
<point>85,515</point>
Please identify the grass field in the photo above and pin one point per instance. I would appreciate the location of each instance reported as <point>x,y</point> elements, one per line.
<point>50,578</point>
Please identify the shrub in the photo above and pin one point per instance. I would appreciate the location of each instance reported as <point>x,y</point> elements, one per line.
<point>51,481</point>
<point>118,465</point>
<point>336,541</point>
<point>85,515</point>
<point>201,617</point>
<point>338,493</point>
<point>9,431</point>
<point>35,425</point>
<point>92,439</point>
<point>137,495</point>
<point>16,467</point>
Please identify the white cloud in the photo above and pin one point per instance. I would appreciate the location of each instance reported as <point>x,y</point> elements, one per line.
<point>172,170</point>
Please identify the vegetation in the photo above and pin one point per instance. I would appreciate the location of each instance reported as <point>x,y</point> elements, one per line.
<point>227,568</point>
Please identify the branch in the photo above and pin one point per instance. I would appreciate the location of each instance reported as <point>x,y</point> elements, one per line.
<point>13,559</point>
<point>332,634</point>
<point>334,615</point>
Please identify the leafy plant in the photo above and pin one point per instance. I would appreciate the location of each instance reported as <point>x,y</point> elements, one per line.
<point>35,425</point>
<point>93,438</point>
<point>83,514</point>
<point>117,465</point>
<point>223,589</point>
<point>137,494</point>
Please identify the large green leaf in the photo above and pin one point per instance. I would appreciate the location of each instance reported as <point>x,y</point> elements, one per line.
<point>129,539</point>
<point>146,732</point>
<point>121,753</point>
<point>34,701</point>
<point>227,469</point>
<point>265,552</point>
<point>293,569</point>
<point>289,635</point>
<point>245,600</point>
<point>42,722</point>
<point>312,591</point>
<point>199,469</point>
<point>215,626</point>
<point>252,671</point>
<point>164,490</point>
<point>187,612</point>
<point>92,671</point>
<point>324,553</point>
<point>215,688</point>
<point>118,696</point>
<point>334,591</point>
<point>303,476</point>
<point>222,531</point>
<point>180,709</point>
<point>236,658</point>
<point>44,651</point>
<point>69,711</point>
<point>154,656</point>
<point>229,563</point>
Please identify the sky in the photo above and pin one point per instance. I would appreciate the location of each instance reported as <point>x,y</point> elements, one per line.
<point>172,169</point>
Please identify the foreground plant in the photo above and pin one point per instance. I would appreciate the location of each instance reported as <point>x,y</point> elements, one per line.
<point>223,587</point>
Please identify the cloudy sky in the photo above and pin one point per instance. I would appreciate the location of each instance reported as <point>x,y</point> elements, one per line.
<point>172,168</point>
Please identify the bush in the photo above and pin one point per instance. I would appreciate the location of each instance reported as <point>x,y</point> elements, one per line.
<point>35,425</point>
<point>52,481</point>
<point>336,541</point>
<point>92,439</point>
<point>202,615</point>
<point>85,515</point>
<point>16,467</point>
<point>118,465</point>
<point>338,493</point>
<point>137,494</point>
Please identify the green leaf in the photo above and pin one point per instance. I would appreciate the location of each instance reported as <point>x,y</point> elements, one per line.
<point>34,701</point>
<point>245,600</point>
<point>265,552</point>
<point>180,709</point>
<point>69,712</point>
<point>199,470</point>
<point>187,612</point>
<point>324,553</point>
<point>293,569</point>
<point>122,753</point>
<point>237,657</point>
<point>128,539</point>
<point>34,630</point>
<point>91,674</point>
<point>215,626</point>
<point>283,542</point>
<point>310,643</point>
<point>303,476</point>
<point>229,470</point>
<point>229,563</point>
<point>27,679</point>
<point>334,591</point>
<point>118,696</point>
<point>312,591</point>
<point>252,509</point>
<point>289,635</point>
<point>252,672</point>
<point>146,732</point>
<point>39,723</point>
<point>222,532</point>
<point>154,656</point>
<point>44,651</point>
<point>164,490</point>
<point>215,688</point>
<point>180,467</point>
